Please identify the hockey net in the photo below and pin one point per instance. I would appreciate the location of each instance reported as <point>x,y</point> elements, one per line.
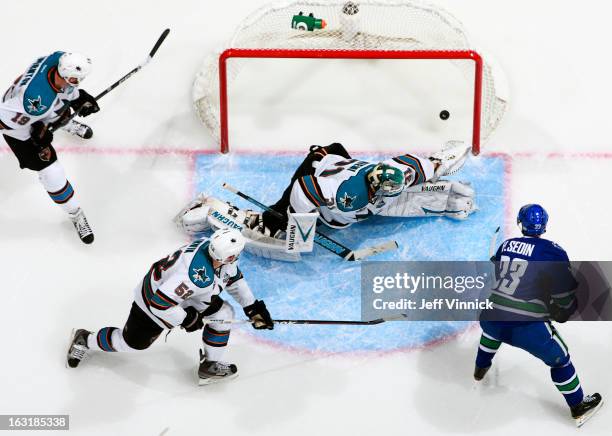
<point>367,29</point>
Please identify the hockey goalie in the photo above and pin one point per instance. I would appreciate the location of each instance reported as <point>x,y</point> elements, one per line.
<point>333,189</point>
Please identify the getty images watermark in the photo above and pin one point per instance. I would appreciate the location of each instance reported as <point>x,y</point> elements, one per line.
<point>425,291</point>
<point>464,291</point>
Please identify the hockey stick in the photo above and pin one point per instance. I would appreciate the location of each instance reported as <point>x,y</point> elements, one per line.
<point>321,239</point>
<point>159,42</point>
<point>493,244</point>
<point>310,321</point>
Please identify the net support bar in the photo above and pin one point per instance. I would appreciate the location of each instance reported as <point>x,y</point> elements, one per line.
<point>349,54</point>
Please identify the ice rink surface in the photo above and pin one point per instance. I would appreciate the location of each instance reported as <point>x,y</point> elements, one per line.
<point>150,154</point>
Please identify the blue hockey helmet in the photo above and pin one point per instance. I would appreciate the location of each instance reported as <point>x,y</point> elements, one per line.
<point>532,218</point>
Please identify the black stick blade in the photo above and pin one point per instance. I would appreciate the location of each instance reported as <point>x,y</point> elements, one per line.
<point>159,42</point>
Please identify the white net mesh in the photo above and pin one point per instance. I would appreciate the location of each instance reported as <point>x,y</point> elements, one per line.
<point>342,25</point>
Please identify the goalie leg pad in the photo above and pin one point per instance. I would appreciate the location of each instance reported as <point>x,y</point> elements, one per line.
<point>211,213</point>
<point>193,218</point>
<point>442,198</point>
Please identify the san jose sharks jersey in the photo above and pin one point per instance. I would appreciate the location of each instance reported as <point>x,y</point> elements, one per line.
<point>339,188</point>
<point>33,97</point>
<point>187,278</point>
<point>531,273</point>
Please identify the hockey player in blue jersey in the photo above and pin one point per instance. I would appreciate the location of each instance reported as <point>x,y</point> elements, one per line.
<point>534,286</point>
<point>42,97</point>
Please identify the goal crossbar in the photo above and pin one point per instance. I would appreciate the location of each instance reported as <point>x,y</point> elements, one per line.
<point>349,54</point>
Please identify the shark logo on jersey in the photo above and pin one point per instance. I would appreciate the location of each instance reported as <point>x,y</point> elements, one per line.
<point>200,275</point>
<point>347,200</point>
<point>35,105</point>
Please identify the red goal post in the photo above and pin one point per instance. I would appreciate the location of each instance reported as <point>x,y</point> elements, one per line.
<point>349,54</point>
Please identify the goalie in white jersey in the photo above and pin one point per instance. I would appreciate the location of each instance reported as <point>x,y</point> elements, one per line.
<point>342,191</point>
<point>41,98</point>
<point>180,290</point>
<point>345,190</point>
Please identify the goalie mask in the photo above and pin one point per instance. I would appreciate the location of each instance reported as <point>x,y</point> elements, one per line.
<point>385,180</point>
<point>226,245</point>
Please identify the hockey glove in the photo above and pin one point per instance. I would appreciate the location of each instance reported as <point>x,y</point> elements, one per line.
<point>193,320</point>
<point>40,134</point>
<point>85,104</point>
<point>559,314</point>
<point>259,315</point>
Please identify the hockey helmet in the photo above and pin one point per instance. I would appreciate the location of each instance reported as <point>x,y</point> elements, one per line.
<point>386,180</point>
<point>74,67</point>
<point>226,245</point>
<point>532,219</point>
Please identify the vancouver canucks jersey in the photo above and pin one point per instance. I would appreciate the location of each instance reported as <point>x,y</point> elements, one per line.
<point>339,188</point>
<point>530,273</point>
<point>33,97</point>
<point>187,278</point>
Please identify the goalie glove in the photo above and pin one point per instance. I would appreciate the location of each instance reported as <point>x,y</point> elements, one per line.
<point>259,315</point>
<point>450,159</point>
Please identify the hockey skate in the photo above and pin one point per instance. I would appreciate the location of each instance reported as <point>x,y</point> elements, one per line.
<point>212,372</point>
<point>479,373</point>
<point>78,129</point>
<point>78,347</point>
<point>586,409</point>
<point>82,226</point>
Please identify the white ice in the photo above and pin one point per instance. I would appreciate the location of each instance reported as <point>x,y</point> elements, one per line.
<point>556,57</point>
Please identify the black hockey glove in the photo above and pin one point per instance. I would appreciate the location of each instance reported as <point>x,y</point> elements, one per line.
<point>273,223</point>
<point>558,313</point>
<point>85,104</point>
<point>259,315</point>
<point>40,134</point>
<point>193,320</point>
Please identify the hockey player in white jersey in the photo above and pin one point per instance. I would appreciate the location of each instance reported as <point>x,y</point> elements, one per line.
<point>42,97</point>
<point>343,190</point>
<point>182,289</point>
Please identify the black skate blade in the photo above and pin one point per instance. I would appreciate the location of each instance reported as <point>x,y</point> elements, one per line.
<point>588,415</point>
<point>215,380</point>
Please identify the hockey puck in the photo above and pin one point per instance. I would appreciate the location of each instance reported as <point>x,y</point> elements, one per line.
<point>444,115</point>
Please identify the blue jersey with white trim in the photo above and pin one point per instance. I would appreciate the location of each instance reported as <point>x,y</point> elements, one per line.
<point>531,273</point>
<point>339,188</point>
<point>34,97</point>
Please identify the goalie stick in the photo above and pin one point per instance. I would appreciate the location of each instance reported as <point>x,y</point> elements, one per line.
<point>311,321</point>
<point>323,240</point>
<point>159,42</point>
